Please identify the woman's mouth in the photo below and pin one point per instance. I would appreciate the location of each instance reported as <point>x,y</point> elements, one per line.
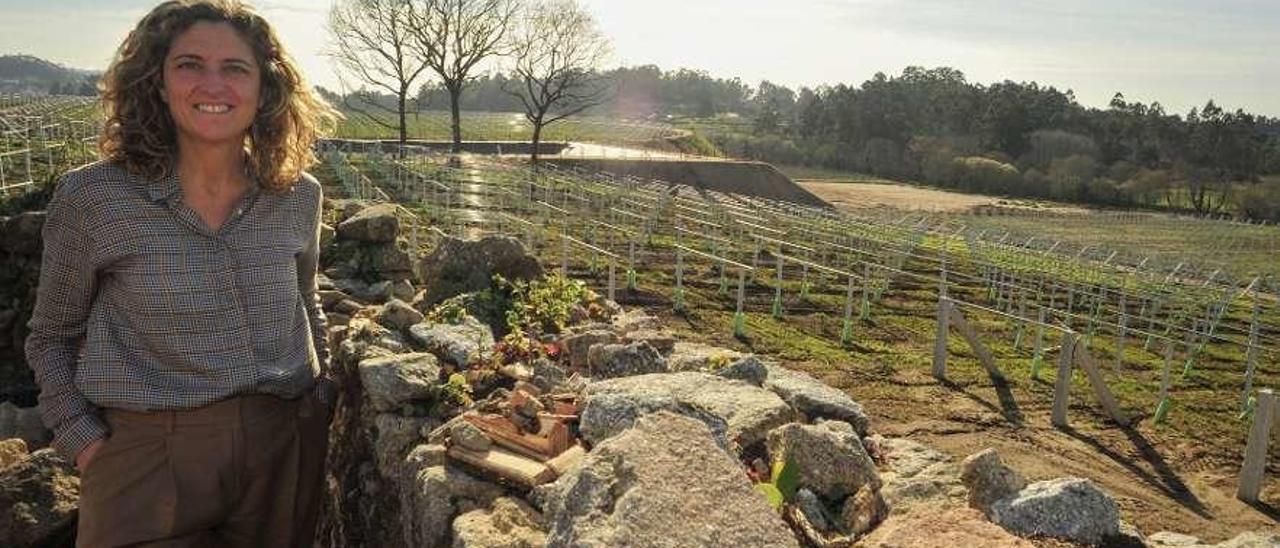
<point>213,108</point>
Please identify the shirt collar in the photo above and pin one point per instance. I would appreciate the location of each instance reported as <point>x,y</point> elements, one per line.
<point>165,187</point>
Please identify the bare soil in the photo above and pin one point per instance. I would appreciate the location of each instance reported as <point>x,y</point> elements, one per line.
<point>1162,482</point>
<point>855,196</point>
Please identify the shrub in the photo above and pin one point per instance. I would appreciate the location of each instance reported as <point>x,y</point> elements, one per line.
<point>985,175</point>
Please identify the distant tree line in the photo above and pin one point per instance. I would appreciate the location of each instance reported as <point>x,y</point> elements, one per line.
<point>1023,139</point>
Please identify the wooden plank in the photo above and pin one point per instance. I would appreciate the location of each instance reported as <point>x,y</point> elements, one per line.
<point>1255,453</point>
<point>984,354</point>
<point>506,465</point>
<point>1062,385</point>
<point>1100,388</point>
<point>566,460</point>
<point>504,433</point>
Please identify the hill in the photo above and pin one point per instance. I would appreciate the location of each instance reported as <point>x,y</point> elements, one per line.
<point>30,74</point>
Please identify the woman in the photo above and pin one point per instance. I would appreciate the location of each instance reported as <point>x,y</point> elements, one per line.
<point>177,337</point>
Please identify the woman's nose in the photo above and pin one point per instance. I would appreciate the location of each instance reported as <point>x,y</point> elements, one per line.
<point>212,80</point>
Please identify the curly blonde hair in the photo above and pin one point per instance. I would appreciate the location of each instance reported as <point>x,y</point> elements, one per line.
<point>139,132</point>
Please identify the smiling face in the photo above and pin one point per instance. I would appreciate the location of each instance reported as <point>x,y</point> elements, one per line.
<point>212,84</point>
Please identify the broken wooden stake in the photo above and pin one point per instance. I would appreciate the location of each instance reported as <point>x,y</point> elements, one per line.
<point>506,465</point>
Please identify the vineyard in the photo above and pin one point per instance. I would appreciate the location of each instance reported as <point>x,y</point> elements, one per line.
<point>1068,326</point>
<point>41,137</point>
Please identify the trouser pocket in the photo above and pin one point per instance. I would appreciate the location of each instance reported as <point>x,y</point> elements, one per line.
<point>126,493</point>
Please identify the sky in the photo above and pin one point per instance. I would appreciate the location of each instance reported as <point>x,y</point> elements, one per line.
<point>1178,52</point>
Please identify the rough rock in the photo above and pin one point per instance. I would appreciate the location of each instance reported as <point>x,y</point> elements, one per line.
<point>748,413</point>
<point>329,298</point>
<point>747,369</point>
<point>21,233</point>
<point>1170,539</point>
<point>662,483</point>
<point>454,343</point>
<point>511,523</point>
<point>916,474</point>
<point>690,356</point>
<point>577,345</point>
<point>468,436</point>
<point>38,498</point>
<point>1252,539</point>
<point>831,464</point>
<point>813,509</point>
<point>327,234</point>
<point>398,315</point>
<point>950,526</point>
<point>1248,539</point>
<point>369,263</point>
<point>815,399</point>
<point>380,292</point>
<point>390,381</point>
<point>662,341</point>
<point>438,493</point>
<point>1068,508</point>
<point>907,458</point>
<point>12,451</point>
<point>863,511</point>
<point>459,266</point>
<point>374,224</point>
<point>25,423</point>
<point>395,436</point>
<point>403,290</point>
<point>635,319</point>
<point>989,480</point>
<point>547,376</point>
<point>607,361</point>
<point>426,455</point>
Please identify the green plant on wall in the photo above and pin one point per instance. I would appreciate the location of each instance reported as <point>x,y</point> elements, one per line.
<point>457,391</point>
<point>783,482</point>
<point>545,305</point>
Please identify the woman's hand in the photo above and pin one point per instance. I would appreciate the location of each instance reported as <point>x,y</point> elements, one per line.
<point>86,455</point>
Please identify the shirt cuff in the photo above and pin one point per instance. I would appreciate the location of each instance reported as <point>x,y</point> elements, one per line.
<point>77,435</point>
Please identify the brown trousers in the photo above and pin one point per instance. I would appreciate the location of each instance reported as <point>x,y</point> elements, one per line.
<point>245,471</point>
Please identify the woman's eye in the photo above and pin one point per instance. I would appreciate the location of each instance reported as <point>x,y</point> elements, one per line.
<point>188,65</point>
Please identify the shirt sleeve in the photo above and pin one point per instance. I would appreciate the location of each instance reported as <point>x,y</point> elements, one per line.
<point>308,265</point>
<point>64,297</point>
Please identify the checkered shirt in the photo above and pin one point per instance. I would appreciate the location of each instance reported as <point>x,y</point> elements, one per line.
<point>142,307</point>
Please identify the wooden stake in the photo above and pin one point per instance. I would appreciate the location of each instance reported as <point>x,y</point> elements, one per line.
<point>1255,453</point>
<point>1062,385</point>
<point>940,340</point>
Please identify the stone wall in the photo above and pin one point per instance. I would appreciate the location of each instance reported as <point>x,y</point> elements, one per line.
<point>20,248</point>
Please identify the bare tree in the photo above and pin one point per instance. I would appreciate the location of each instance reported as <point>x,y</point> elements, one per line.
<point>556,47</point>
<point>372,43</point>
<point>454,37</point>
